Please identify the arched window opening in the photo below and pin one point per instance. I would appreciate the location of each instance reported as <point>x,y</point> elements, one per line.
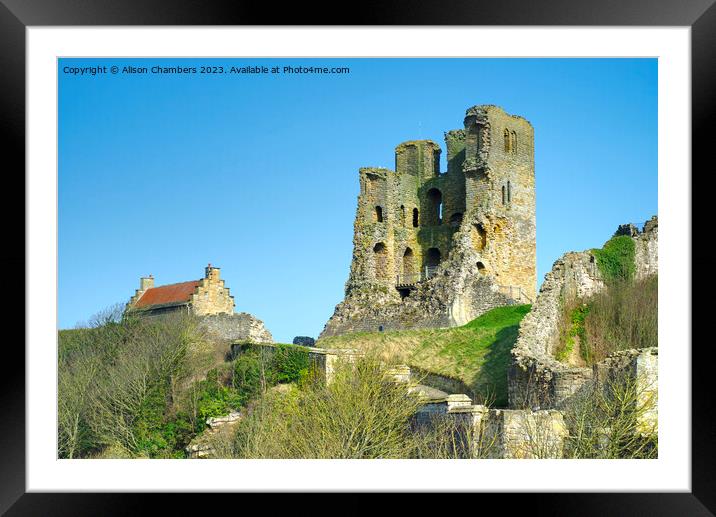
<point>415,217</point>
<point>378,214</point>
<point>381,261</point>
<point>402,215</point>
<point>509,192</point>
<point>481,268</point>
<point>432,259</point>
<point>408,262</point>
<point>435,207</point>
<point>513,142</point>
<point>479,237</point>
<point>456,219</point>
<point>507,140</point>
<point>504,197</point>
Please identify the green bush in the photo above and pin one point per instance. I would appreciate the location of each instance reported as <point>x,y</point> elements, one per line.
<point>216,399</point>
<point>616,258</point>
<point>289,364</point>
<point>247,378</point>
<point>575,330</point>
<point>125,385</point>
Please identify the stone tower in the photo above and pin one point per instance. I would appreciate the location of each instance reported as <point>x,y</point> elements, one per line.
<point>434,249</point>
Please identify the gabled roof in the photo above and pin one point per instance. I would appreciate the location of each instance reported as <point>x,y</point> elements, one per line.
<point>173,294</point>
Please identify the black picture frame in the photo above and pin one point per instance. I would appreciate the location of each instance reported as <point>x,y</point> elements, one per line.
<point>17,15</point>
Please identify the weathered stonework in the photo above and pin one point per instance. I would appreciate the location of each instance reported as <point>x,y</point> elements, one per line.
<point>536,378</point>
<point>201,297</point>
<point>499,433</point>
<point>641,366</point>
<point>241,326</point>
<point>435,249</point>
<point>201,446</point>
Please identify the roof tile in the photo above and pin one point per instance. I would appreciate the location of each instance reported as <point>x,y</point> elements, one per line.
<point>172,293</point>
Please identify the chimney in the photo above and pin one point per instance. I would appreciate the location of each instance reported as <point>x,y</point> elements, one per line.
<point>211,272</point>
<point>146,282</point>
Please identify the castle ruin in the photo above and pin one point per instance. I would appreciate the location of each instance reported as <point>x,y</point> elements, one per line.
<point>437,249</point>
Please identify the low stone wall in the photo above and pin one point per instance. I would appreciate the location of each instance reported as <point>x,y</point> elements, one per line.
<point>499,433</point>
<point>241,326</point>
<point>440,382</point>
<point>536,378</point>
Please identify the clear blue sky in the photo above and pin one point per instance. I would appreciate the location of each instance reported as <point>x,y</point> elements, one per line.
<point>258,174</point>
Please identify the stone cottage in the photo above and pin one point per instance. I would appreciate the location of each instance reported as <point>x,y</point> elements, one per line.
<point>203,297</point>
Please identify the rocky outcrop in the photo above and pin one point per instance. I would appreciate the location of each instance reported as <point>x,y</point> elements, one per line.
<point>236,327</point>
<point>202,446</point>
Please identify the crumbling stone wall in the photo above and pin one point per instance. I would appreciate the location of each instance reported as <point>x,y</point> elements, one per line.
<point>241,326</point>
<point>642,367</point>
<point>470,232</point>
<point>536,378</point>
<point>498,433</point>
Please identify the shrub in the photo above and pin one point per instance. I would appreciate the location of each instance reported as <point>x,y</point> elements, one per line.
<point>623,316</point>
<point>360,414</point>
<point>289,364</point>
<point>123,386</point>
<point>616,258</point>
<point>574,331</point>
<point>606,421</point>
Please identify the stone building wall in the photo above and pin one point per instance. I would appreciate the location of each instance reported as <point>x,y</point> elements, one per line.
<point>473,227</point>
<point>241,326</point>
<point>536,378</point>
<point>212,296</point>
<point>201,297</point>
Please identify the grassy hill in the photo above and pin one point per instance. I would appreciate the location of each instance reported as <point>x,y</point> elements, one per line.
<point>477,353</point>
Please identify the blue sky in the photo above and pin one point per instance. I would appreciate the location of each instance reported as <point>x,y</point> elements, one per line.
<point>258,174</point>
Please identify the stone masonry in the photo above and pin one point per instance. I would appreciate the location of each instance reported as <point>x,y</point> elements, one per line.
<point>208,299</point>
<point>241,326</point>
<point>536,378</point>
<point>434,249</point>
<point>201,297</point>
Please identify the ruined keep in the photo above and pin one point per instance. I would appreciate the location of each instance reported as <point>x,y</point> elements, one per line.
<point>437,249</point>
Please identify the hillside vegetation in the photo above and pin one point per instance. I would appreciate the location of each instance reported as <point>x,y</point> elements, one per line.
<point>622,316</point>
<point>144,388</point>
<point>477,353</point>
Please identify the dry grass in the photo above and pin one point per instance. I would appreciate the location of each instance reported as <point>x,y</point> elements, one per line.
<point>477,354</point>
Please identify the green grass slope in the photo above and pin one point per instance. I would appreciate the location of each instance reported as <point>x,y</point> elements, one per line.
<point>477,353</point>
